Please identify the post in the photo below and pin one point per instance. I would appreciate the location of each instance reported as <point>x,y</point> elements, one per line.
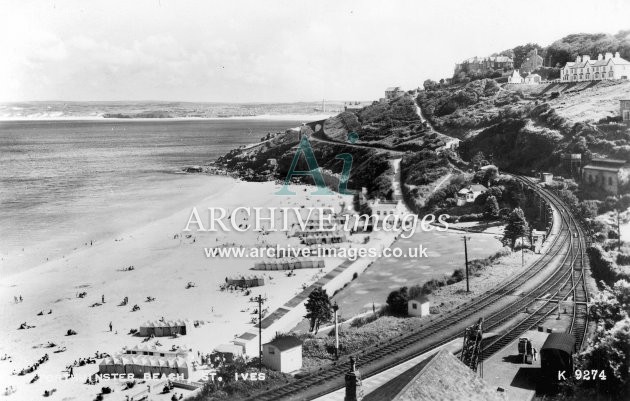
<point>335,309</point>
<point>259,332</point>
<point>618,232</point>
<point>466,258</point>
<point>522,251</point>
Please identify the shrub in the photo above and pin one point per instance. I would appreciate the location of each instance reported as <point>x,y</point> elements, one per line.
<point>397,301</point>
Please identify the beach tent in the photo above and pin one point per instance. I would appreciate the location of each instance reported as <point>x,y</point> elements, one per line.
<point>154,366</point>
<point>146,329</point>
<point>127,363</point>
<point>105,366</point>
<point>181,366</point>
<point>138,366</point>
<point>119,366</point>
<point>111,365</point>
<point>163,367</point>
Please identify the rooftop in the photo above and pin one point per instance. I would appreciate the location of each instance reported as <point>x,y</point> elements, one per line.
<point>560,341</point>
<point>285,343</point>
<point>443,377</point>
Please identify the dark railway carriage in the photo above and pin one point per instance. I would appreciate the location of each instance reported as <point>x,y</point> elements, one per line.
<point>556,355</point>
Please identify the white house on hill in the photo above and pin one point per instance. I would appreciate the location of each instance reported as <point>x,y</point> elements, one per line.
<point>469,194</point>
<point>515,78</point>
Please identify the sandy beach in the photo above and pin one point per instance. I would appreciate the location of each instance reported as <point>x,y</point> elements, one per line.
<point>164,262</point>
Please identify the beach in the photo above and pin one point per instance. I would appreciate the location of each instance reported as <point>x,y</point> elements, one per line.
<point>164,261</point>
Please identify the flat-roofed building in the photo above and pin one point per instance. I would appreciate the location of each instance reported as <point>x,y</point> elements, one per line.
<point>608,174</point>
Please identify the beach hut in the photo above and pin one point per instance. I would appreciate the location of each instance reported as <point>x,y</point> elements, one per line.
<point>183,328</point>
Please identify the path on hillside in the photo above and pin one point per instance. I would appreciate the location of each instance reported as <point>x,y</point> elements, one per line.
<point>442,181</point>
<point>356,145</point>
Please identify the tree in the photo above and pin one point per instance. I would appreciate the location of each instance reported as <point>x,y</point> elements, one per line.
<point>430,85</point>
<point>318,308</point>
<point>516,228</point>
<point>491,209</point>
<point>397,301</point>
<point>610,351</point>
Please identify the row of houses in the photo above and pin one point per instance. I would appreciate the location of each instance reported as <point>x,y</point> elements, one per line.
<point>483,65</point>
<point>605,67</point>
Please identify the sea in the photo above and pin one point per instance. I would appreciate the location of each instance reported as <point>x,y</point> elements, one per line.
<point>65,183</point>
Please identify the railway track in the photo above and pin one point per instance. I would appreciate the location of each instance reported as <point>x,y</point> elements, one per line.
<point>576,290</point>
<point>560,284</point>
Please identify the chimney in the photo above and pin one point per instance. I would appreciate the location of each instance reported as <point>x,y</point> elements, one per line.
<point>617,55</point>
<point>578,59</point>
<point>600,57</point>
<point>608,55</point>
<point>586,58</point>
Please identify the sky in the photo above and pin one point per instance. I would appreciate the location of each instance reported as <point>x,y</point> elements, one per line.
<point>266,51</point>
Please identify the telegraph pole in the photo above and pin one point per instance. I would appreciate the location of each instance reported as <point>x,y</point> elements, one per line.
<point>259,332</point>
<point>335,309</point>
<point>522,251</point>
<point>466,258</point>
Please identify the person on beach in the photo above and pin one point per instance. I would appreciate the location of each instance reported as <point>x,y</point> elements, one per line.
<point>21,298</point>
<point>110,326</point>
<point>103,298</point>
<point>71,373</point>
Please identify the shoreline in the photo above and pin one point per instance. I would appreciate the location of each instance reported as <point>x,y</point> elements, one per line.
<point>33,254</point>
<point>263,117</point>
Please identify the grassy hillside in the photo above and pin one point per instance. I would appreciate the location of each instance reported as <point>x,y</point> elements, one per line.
<point>525,132</point>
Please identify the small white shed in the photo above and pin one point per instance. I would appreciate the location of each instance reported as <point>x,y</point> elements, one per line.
<point>283,354</point>
<point>418,306</point>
